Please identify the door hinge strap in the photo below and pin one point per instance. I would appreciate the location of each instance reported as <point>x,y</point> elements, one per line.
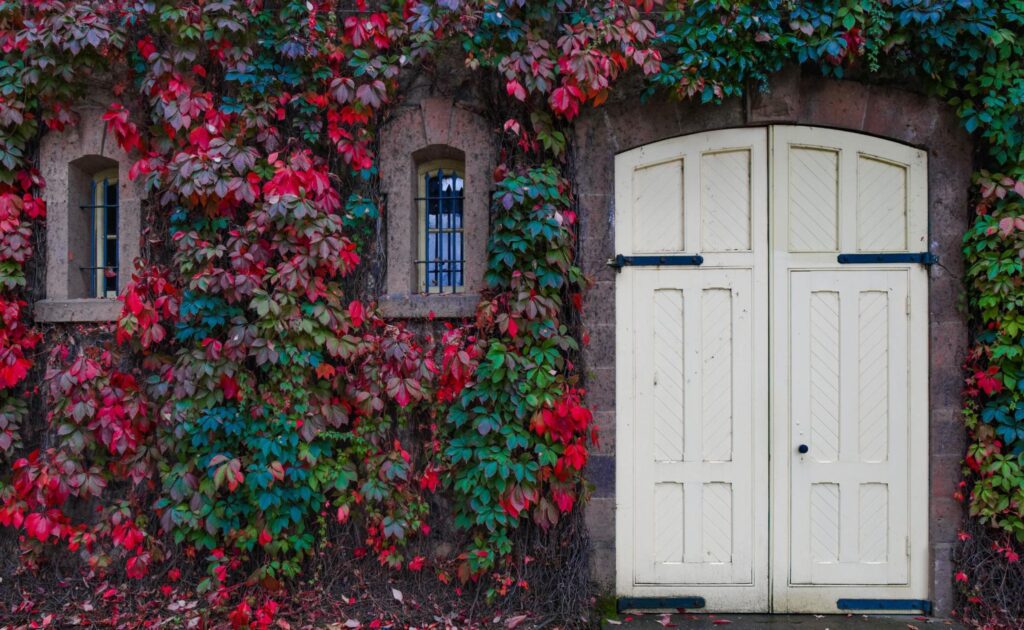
<point>659,603</point>
<point>621,261</point>
<point>923,605</point>
<point>921,258</point>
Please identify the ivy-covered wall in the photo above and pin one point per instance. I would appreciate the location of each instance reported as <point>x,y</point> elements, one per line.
<point>252,419</point>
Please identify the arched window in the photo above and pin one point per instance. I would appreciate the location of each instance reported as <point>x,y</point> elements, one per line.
<point>93,221</point>
<point>440,257</point>
<point>436,165</point>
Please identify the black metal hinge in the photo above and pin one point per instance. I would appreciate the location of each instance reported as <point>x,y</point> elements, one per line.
<point>922,258</point>
<point>621,261</point>
<point>923,605</point>
<point>659,603</point>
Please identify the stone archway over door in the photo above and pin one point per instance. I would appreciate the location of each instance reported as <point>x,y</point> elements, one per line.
<point>771,423</point>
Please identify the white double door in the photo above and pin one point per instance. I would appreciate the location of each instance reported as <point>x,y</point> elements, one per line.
<point>771,402</point>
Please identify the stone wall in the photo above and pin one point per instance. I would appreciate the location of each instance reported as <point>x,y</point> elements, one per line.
<point>793,99</point>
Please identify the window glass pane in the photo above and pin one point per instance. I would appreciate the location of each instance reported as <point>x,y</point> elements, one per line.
<point>111,222</point>
<point>110,274</point>
<point>111,191</point>
<point>110,260</point>
<point>101,209</point>
<point>442,240</point>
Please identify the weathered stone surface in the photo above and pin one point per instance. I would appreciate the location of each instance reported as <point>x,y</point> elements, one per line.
<point>601,472</point>
<point>600,519</point>
<point>601,350</point>
<point>601,388</point>
<point>942,578</point>
<point>831,103</point>
<point>602,568</point>
<point>945,384</point>
<point>425,306</point>
<point>605,423</point>
<point>780,103</point>
<point>946,517</point>
<point>945,475</point>
<point>597,234</point>
<point>947,432</point>
<point>599,308</point>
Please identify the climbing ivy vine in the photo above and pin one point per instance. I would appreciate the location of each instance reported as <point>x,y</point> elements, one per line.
<point>250,392</point>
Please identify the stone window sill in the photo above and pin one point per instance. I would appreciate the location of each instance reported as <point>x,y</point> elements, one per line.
<point>422,305</point>
<point>82,310</point>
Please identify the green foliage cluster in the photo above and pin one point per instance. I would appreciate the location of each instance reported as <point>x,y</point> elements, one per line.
<point>517,432</point>
<point>994,401</point>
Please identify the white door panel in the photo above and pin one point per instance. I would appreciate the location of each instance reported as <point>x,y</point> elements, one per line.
<point>848,391</point>
<point>692,378</point>
<point>698,347</point>
<point>849,342</point>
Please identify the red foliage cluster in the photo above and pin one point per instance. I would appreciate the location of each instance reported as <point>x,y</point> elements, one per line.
<point>16,338</point>
<point>102,424</point>
<point>18,207</point>
<point>460,356</point>
<point>149,299</point>
<point>586,60</point>
<point>567,421</point>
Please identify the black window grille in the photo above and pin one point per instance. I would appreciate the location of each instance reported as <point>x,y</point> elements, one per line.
<point>101,272</point>
<point>442,257</point>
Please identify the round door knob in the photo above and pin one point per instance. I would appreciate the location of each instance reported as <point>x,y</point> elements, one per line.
<point>803,448</point>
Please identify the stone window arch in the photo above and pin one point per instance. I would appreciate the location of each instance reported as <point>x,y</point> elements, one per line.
<point>431,137</point>
<point>93,223</point>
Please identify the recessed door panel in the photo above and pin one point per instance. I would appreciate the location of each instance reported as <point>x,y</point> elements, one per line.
<point>849,361</point>
<point>694,398</point>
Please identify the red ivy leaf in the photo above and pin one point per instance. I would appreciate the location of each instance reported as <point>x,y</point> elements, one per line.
<point>38,526</point>
<point>229,386</point>
<point>355,313</point>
